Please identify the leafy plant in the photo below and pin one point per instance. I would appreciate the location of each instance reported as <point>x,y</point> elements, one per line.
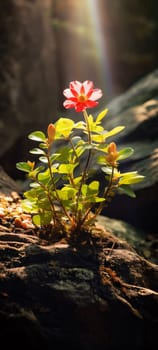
<point>62,192</point>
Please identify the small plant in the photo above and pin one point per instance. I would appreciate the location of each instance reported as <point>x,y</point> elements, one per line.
<point>62,192</point>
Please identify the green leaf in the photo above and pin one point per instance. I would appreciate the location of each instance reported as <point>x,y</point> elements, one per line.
<point>126,189</point>
<point>125,153</point>
<point>54,156</point>
<point>130,178</point>
<point>44,176</point>
<point>42,219</point>
<point>80,149</point>
<point>77,180</point>
<point>64,127</point>
<point>91,189</point>
<point>67,193</point>
<point>29,206</point>
<point>36,151</point>
<point>44,203</point>
<point>23,166</point>
<point>114,131</point>
<point>94,186</point>
<point>107,170</point>
<point>64,154</point>
<point>93,125</point>
<point>37,136</point>
<point>54,168</point>
<point>43,159</point>
<point>40,168</point>
<point>101,115</point>
<point>43,145</point>
<point>99,199</point>
<point>84,189</point>
<point>66,168</point>
<point>34,184</point>
<point>100,138</point>
<point>35,172</point>
<point>32,194</point>
<point>80,125</point>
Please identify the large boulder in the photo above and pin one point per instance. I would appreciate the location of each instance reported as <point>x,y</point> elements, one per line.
<point>98,296</point>
<point>137,109</point>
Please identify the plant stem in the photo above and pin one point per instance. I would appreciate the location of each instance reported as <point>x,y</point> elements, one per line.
<point>84,174</point>
<point>45,188</point>
<point>54,187</point>
<point>105,195</point>
<point>72,145</point>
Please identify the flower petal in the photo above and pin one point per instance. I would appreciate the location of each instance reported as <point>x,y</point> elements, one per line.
<point>88,86</point>
<point>90,103</point>
<point>80,106</point>
<point>67,93</point>
<point>76,86</point>
<point>96,94</point>
<point>81,95</point>
<point>69,104</point>
<point>74,93</point>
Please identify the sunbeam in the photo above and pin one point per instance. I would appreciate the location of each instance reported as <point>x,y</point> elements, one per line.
<point>101,45</point>
<point>82,44</point>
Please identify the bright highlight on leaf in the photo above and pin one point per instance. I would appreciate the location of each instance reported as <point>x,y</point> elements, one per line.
<point>64,127</point>
<point>23,166</point>
<point>125,153</point>
<point>62,193</point>
<point>37,136</point>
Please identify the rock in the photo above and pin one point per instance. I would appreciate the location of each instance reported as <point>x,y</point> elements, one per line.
<point>28,84</point>
<point>7,184</point>
<point>78,294</point>
<point>99,296</point>
<point>145,245</point>
<point>137,110</point>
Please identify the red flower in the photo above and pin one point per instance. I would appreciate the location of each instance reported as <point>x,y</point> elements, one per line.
<point>81,95</point>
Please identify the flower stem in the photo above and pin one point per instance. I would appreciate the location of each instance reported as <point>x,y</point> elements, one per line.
<point>84,174</point>
<point>85,114</point>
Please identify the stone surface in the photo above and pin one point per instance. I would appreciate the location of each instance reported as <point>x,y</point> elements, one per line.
<point>7,184</point>
<point>97,296</point>
<point>28,77</point>
<point>137,110</point>
<point>97,292</point>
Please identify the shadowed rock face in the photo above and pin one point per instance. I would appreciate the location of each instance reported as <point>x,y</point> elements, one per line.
<point>28,78</point>
<point>137,110</point>
<point>94,292</point>
<point>101,296</point>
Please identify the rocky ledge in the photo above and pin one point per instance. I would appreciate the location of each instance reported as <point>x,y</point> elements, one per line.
<point>101,295</point>
<point>96,293</point>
